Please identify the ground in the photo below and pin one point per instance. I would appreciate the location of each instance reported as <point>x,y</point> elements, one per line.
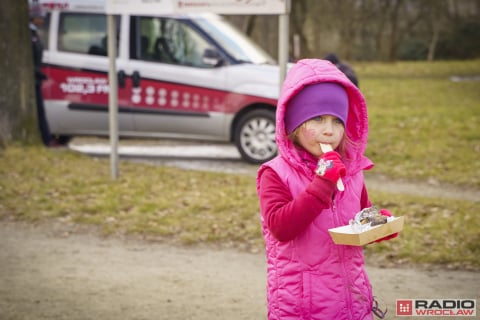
<point>63,271</point>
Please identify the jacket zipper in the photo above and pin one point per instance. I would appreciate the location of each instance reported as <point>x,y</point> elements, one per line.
<point>347,286</point>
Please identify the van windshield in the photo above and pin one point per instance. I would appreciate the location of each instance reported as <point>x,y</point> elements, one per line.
<point>238,45</point>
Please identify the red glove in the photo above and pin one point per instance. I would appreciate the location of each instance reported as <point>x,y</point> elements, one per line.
<point>387,213</point>
<point>331,167</point>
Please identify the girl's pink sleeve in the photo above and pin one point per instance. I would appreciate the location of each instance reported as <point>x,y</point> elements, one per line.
<point>285,216</point>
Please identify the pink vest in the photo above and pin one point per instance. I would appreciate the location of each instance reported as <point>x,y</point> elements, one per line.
<point>310,276</point>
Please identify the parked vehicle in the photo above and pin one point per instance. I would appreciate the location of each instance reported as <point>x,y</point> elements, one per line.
<point>190,76</point>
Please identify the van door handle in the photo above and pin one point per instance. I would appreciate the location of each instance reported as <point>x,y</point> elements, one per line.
<point>136,79</point>
<point>121,78</point>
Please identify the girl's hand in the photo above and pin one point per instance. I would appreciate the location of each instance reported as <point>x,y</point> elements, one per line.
<point>385,212</point>
<point>331,167</point>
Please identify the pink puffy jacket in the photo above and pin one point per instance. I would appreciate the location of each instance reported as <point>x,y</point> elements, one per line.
<point>310,277</point>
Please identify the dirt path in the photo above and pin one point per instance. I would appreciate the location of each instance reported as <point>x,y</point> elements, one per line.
<point>60,272</point>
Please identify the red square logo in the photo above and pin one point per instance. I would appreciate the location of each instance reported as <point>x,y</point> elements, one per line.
<point>404,307</point>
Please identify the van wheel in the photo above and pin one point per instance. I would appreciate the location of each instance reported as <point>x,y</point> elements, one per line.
<point>255,136</point>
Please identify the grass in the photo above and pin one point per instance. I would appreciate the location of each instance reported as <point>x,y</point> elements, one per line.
<point>423,127</point>
<point>190,206</point>
<point>437,231</point>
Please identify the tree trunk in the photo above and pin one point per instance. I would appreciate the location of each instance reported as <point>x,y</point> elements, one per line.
<point>298,17</point>
<point>249,25</point>
<point>17,94</point>
<point>433,43</point>
<point>394,36</point>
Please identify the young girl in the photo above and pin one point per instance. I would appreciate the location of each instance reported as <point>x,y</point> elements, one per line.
<point>308,276</point>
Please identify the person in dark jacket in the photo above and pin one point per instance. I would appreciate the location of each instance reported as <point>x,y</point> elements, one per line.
<point>345,68</point>
<point>37,16</point>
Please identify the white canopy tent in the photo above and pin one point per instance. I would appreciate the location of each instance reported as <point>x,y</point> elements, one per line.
<point>146,7</point>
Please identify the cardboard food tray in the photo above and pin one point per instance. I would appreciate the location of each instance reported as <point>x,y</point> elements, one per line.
<point>345,234</point>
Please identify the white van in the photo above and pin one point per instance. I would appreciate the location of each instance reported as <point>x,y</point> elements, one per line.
<point>179,76</point>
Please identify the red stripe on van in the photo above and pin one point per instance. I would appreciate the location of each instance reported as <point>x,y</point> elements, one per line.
<point>91,87</point>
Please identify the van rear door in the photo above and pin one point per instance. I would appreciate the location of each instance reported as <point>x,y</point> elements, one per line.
<point>76,64</point>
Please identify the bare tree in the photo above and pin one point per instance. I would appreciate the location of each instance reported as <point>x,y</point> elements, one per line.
<point>434,15</point>
<point>262,29</point>
<point>298,18</point>
<point>17,100</point>
<point>348,23</point>
<point>383,30</point>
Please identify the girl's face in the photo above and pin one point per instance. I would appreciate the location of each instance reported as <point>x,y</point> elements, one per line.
<point>324,129</point>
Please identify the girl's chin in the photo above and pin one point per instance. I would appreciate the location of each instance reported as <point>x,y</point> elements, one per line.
<point>316,153</point>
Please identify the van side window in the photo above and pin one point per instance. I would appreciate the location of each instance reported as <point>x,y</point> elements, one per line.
<point>167,40</point>
<point>84,33</point>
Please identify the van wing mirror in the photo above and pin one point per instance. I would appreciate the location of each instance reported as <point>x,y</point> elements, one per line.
<point>212,58</point>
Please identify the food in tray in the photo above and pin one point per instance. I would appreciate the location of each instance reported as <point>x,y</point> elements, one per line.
<point>367,218</point>
<point>371,215</point>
